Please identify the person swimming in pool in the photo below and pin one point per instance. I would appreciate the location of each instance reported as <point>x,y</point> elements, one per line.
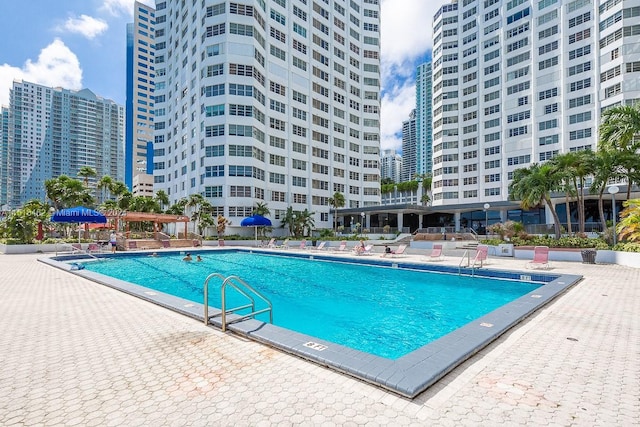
<point>198,258</point>
<point>187,257</point>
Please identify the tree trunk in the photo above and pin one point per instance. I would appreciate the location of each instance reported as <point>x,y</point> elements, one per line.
<point>556,220</point>
<point>601,209</point>
<point>568,207</point>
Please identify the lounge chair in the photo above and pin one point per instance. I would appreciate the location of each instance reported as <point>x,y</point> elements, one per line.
<point>131,244</point>
<point>367,250</point>
<point>399,251</point>
<point>320,247</point>
<point>540,258</point>
<point>166,243</point>
<point>284,245</point>
<point>303,244</point>
<point>436,253</point>
<point>341,248</point>
<point>271,244</point>
<point>94,247</point>
<point>482,254</point>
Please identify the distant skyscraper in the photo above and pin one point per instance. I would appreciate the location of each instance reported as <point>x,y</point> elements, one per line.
<point>409,148</point>
<point>424,119</point>
<point>4,156</point>
<point>391,165</point>
<point>140,101</point>
<point>53,132</point>
<point>516,83</point>
<point>273,102</point>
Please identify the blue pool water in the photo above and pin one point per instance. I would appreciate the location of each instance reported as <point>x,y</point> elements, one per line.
<point>382,311</point>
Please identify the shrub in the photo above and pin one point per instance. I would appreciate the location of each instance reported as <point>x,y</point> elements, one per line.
<point>627,247</point>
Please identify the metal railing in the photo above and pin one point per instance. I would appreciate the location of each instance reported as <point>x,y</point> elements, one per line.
<point>244,289</point>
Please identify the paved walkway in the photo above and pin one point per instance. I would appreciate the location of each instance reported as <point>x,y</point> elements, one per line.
<point>76,353</point>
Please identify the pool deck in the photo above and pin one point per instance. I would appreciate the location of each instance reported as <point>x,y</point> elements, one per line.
<point>74,353</point>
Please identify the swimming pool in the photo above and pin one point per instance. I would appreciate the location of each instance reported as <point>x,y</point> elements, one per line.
<point>373,309</point>
<point>374,325</point>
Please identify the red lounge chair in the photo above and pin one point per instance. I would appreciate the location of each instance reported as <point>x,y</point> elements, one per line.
<point>540,258</point>
<point>436,253</point>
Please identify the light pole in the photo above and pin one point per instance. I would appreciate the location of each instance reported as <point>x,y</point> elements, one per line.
<point>486,218</point>
<point>613,190</point>
<point>362,223</point>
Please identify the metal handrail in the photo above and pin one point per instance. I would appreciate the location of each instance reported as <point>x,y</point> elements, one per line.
<point>236,283</point>
<point>466,253</point>
<point>206,295</point>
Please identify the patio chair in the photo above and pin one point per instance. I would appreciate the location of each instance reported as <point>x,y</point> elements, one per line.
<point>166,243</point>
<point>398,252</point>
<point>131,244</point>
<point>320,247</point>
<point>482,254</point>
<point>341,248</point>
<point>436,253</point>
<point>303,244</point>
<point>94,247</point>
<point>284,245</point>
<point>271,244</point>
<point>540,258</point>
<point>76,247</point>
<point>367,250</point>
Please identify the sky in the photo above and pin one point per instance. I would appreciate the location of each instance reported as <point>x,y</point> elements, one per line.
<point>78,44</point>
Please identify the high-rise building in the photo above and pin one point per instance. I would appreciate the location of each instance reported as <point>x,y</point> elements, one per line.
<point>409,142</point>
<point>138,173</point>
<point>53,132</point>
<point>391,165</point>
<point>516,83</point>
<point>424,119</point>
<point>4,157</point>
<point>271,101</point>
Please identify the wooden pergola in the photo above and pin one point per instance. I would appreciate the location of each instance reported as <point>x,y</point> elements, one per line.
<point>156,218</point>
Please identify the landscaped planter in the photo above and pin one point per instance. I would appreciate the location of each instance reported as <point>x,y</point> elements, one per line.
<point>35,248</point>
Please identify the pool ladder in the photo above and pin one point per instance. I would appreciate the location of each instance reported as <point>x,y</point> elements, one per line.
<point>467,256</point>
<point>244,289</point>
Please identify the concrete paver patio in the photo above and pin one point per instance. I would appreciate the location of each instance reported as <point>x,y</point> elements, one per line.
<point>76,353</point>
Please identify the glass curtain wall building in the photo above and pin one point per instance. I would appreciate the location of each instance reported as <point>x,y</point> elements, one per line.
<point>424,119</point>
<point>140,101</point>
<point>273,101</point>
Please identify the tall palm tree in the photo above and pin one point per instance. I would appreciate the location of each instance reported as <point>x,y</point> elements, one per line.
<point>605,169</point>
<point>336,202</point>
<point>574,167</point>
<point>85,173</point>
<point>67,192</point>
<point>162,198</point>
<point>532,186</point>
<point>620,130</point>
<point>104,186</point>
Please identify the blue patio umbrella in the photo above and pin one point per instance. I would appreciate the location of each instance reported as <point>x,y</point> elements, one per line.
<point>79,214</point>
<point>256,221</point>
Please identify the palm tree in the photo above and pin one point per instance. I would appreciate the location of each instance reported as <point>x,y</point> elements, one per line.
<point>305,222</point>
<point>162,198</point>
<point>67,192</point>
<point>261,209</point>
<point>574,167</point>
<point>620,127</point>
<point>104,186</point>
<point>337,201</point>
<point>605,169</point>
<point>85,173</point>
<point>532,186</point>
<point>289,220</point>
<point>178,207</point>
<point>620,130</point>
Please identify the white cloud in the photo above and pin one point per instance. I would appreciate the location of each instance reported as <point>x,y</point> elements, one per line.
<point>406,34</point>
<point>119,7</point>
<point>56,66</point>
<point>85,25</point>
